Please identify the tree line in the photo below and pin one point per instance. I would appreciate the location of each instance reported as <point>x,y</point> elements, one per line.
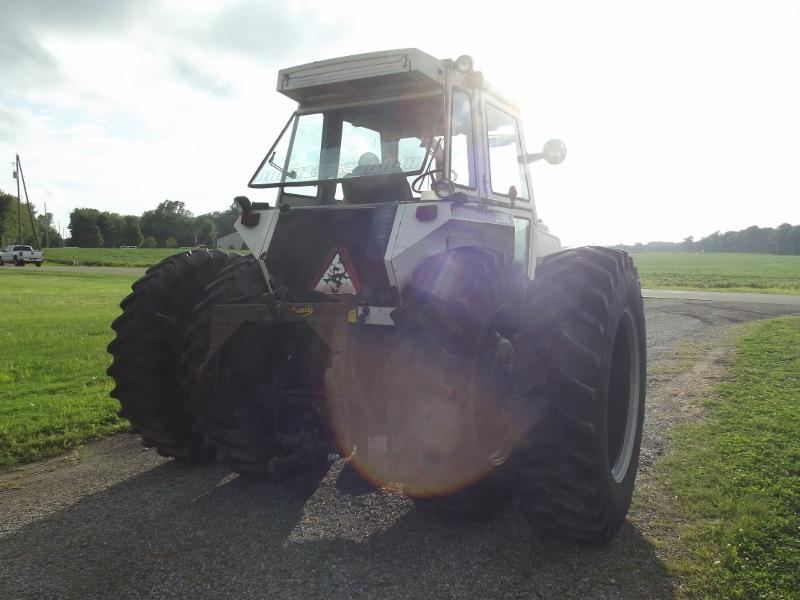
<point>783,239</point>
<point>169,225</point>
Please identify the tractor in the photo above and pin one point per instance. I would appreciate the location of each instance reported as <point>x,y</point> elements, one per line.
<point>402,306</point>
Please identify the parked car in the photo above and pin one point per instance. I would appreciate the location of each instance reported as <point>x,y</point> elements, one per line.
<point>21,255</point>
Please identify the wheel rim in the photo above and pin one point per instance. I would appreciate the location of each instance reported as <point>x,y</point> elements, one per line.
<point>491,388</point>
<point>623,397</point>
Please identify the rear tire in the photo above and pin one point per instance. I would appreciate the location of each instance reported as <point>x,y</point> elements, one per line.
<point>449,309</point>
<point>258,410</point>
<point>581,364</point>
<point>151,337</point>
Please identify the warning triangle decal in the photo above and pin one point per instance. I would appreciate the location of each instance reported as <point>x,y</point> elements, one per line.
<point>338,277</point>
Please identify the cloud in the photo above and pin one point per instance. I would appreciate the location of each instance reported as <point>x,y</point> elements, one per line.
<point>74,15</point>
<point>191,74</point>
<point>265,31</point>
<point>24,62</point>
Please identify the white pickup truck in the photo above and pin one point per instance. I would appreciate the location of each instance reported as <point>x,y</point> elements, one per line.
<point>20,255</point>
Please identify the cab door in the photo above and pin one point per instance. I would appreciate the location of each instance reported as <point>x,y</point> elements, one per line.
<point>505,179</point>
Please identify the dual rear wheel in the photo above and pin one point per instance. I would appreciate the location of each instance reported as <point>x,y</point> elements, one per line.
<point>246,406</point>
<point>537,389</point>
<point>491,385</point>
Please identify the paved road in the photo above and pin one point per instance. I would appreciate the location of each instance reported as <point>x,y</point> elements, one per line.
<point>116,520</point>
<point>786,300</point>
<point>135,271</point>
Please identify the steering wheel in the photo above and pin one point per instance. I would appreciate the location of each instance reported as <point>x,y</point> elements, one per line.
<point>420,178</point>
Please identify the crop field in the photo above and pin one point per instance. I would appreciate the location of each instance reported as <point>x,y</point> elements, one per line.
<point>53,386</point>
<point>721,271</point>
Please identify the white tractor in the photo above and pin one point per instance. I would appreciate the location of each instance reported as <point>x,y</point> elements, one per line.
<point>389,312</point>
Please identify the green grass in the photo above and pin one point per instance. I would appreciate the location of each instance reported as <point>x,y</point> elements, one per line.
<point>54,328</point>
<point>735,476</point>
<point>108,257</point>
<point>719,271</point>
<point>732,272</point>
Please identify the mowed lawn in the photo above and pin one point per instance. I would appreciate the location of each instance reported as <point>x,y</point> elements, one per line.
<point>721,271</point>
<point>54,328</point>
<point>735,477</point>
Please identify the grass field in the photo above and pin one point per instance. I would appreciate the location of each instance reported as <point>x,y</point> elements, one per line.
<point>721,271</point>
<point>732,272</point>
<point>54,328</point>
<point>108,257</point>
<point>736,476</point>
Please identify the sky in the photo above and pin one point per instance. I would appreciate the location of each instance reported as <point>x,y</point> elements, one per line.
<point>680,118</point>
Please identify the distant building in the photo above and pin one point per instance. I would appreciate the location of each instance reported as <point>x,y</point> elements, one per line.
<point>232,241</point>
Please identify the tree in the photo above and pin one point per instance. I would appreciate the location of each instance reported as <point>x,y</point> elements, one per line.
<point>206,230</point>
<point>9,231</point>
<point>82,224</point>
<point>784,239</point>
<point>781,239</point>
<point>224,220</point>
<point>49,237</point>
<point>169,219</point>
<point>794,240</point>
<point>6,200</point>
<point>110,225</point>
<point>95,239</point>
<point>130,232</point>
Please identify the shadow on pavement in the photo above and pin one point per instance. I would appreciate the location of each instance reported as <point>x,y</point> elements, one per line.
<point>181,532</point>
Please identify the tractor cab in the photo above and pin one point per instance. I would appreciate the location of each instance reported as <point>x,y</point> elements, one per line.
<point>395,126</point>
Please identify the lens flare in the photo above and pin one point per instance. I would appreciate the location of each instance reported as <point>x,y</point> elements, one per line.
<point>430,445</point>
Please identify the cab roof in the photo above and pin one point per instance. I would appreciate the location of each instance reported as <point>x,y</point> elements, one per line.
<point>389,72</point>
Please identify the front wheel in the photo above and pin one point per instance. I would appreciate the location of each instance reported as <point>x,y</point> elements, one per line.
<point>581,359</point>
<point>39,264</point>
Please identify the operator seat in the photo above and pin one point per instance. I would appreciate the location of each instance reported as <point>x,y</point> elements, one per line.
<point>386,182</point>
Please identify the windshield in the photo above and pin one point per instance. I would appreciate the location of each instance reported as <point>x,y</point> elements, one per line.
<point>377,139</point>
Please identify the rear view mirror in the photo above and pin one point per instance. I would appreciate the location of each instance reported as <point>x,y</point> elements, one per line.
<point>554,152</point>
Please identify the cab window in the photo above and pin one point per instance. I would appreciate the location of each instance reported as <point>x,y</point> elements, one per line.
<point>522,240</point>
<point>462,168</point>
<point>506,166</point>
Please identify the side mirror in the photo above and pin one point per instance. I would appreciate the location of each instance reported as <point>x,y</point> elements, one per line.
<point>554,152</point>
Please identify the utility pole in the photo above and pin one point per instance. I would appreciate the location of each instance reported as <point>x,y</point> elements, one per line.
<point>19,203</point>
<point>46,227</point>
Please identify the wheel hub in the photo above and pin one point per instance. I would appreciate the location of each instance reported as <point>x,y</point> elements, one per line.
<point>491,391</point>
